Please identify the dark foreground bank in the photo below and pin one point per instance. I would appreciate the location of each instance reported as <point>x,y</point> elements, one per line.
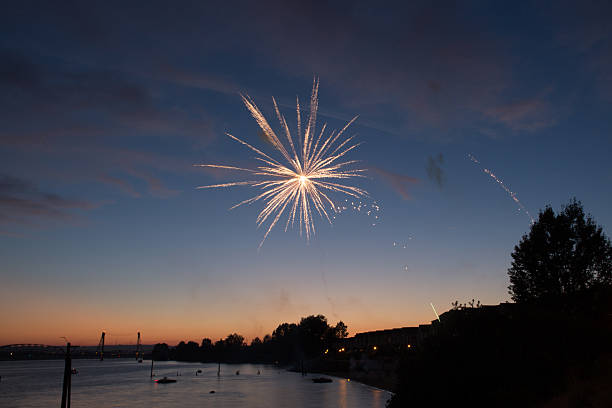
<point>554,353</point>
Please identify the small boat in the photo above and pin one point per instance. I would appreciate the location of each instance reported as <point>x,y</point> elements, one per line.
<point>74,371</point>
<point>321,380</point>
<point>165,380</point>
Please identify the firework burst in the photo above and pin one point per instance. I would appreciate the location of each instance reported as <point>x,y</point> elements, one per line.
<point>311,168</point>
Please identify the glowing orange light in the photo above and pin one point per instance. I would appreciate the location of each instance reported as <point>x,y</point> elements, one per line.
<point>375,347</point>
<point>409,346</point>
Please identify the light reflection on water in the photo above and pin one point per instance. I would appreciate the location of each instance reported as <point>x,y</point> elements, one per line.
<point>126,383</point>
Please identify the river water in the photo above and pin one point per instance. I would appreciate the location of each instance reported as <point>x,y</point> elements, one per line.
<point>126,383</point>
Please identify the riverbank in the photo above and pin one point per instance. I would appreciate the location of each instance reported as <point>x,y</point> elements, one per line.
<point>384,383</point>
<point>379,373</point>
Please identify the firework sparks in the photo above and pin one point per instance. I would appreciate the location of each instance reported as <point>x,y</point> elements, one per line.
<point>506,189</point>
<point>371,210</point>
<point>311,169</point>
<point>434,309</point>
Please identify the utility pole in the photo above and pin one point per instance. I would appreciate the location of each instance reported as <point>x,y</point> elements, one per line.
<point>67,379</point>
<point>101,347</point>
<point>139,352</point>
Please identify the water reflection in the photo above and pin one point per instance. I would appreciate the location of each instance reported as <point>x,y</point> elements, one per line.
<point>126,383</point>
<point>342,392</point>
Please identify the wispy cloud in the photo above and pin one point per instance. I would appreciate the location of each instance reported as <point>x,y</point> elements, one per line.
<point>198,80</point>
<point>524,115</point>
<point>121,184</point>
<point>75,104</point>
<point>10,234</point>
<point>22,202</point>
<point>156,186</point>
<point>122,168</point>
<point>399,182</point>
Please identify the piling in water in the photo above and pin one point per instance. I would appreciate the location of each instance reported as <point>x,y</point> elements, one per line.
<point>67,379</point>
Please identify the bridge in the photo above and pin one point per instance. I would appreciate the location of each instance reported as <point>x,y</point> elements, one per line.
<point>31,346</point>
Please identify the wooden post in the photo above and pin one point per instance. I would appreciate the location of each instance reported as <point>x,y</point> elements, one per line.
<point>151,366</point>
<point>67,379</point>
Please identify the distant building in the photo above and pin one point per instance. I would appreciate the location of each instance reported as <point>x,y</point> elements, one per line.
<point>396,339</point>
<point>410,337</point>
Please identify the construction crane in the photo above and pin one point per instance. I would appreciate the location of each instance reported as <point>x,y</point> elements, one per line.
<point>100,350</point>
<point>139,352</point>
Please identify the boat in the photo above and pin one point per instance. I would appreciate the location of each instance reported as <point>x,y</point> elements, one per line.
<point>165,380</point>
<point>74,371</point>
<point>321,380</point>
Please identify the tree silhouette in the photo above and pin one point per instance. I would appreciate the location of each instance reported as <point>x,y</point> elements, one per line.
<point>563,253</point>
<point>312,330</point>
<point>285,339</point>
<point>161,351</point>
<point>341,330</point>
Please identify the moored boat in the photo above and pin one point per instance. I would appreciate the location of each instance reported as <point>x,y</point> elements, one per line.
<point>165,380</point>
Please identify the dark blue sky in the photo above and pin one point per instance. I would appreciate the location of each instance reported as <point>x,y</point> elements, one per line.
<point>105,107</point>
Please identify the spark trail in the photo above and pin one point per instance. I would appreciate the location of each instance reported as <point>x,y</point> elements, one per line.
<point>434,309</point>
<point>309,172</point>
<point>506,189</point>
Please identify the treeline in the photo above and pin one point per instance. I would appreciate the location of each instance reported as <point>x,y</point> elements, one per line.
<point>289,343</point>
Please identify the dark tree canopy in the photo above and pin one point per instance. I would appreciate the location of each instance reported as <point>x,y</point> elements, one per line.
<point>312,331</point>
<point>341,330</point>
<point>563,253</point>
<point>289,343</point>
<point>161,351</point>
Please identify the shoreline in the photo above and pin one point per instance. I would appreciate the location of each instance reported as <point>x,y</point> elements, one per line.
<point>382,384</point>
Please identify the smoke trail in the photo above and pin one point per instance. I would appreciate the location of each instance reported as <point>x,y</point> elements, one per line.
<point>506,189</point>
<point>434,169</point>
<point>329,299</point>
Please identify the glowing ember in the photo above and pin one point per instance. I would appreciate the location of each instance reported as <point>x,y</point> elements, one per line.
<point>303,181</point>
